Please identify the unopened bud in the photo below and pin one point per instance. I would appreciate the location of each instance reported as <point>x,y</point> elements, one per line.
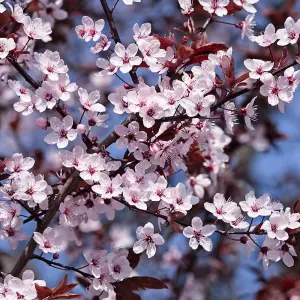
<point>94,139</point>
<point>55,256</point>
<point>127,86</point>
<point>81,128</point>
<point>42,123</point>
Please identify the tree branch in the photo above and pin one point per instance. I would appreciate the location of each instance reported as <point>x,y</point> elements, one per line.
<point>115,33</point>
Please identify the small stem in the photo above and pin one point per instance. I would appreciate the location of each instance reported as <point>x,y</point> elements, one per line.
<point>223,22</point>
<point>112,10</point>
<point>81,116</point>
<point>271,53</point>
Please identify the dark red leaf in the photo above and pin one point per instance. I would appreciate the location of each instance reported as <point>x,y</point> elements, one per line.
<point>43,291</point>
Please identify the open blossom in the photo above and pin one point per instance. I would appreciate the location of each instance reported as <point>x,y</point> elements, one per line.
<point>118,264</point>
<point>13,234</point>
<point>267,38</point>
<point>151,112</point>
<point>49,241</point>
<point>51,64</point>
<point>62,132</point>
<point>24,93</point>
<point>96,260</point>
<point>6,45</point>
<point>256,206</point>
<point>101,45</point>
<point>37,29</point>
<point>276,90</point>
<point>249,113</point>
<point>290,34</point>
<point>147,240</point>
<point>18,165</point>
<point>136,197</point>
<point>258,68</point>
<point>108,188</point>
<point>141,32</point>
<point>130,136</point>
<point>17,13</point>
<point>124,58</point>
<point>221,208</point>
<point>293,77</point>
<point>51,11</point>
<point>47,95</point>
<point>90,29</point>
<point>198,234</point>
<point>215,6</point>
<point>158,190</point>
<point>151,51</point>
<point>186,7</point>
<point>90,101</point>
<point>198,104</point>
<point>199,183</point>
<point>247,26</point>
<point>95,119</point>
<point>247,5</point>
<point>107,68</point>
<point>230,115</point>
<point>276,226</point>
<point>64,86</point>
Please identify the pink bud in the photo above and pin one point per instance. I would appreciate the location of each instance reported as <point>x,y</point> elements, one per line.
<point>42,123</point>
<point>81,128</point>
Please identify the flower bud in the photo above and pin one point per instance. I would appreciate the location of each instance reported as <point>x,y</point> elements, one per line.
<point>55,256</point>
<point>81,128</point>
<point>94,139</point>
<point>42,123</point>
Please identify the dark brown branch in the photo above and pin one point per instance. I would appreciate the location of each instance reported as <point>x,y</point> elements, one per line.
<point>63,267</point>
<point>115,33</point>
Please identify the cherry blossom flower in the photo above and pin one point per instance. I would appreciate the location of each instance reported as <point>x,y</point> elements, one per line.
<point>90,29</point>
<point>101,45</point>
<point>150,112</point>
<point>258,68</point>
<point>62,132</point>
<point>256,206</point>
<point>158,190</point>
<point>13,234</point>
<point>215,6</point>
<point>49,241</point>
<point>267,38</point>
<point>151,51</point>
<point>229,115</point>
<point>247,5</point>
<point>33,189</point>
<point>64,87</point>
<point>130,136</point>
<point>108,188</point>
<point>276,90</point>
<point>199,183</point>
<point>24,93</point>
<point>293,77</point>
<point>91,166</point>
<point>165,63</point>
<point>96,260</point>
<point>51,11</point>
<point>290,34</point>
<point>68,211</point>
<point>198,104</point>
<point>6,45</point>
<point>186,7</point>
<point>247,26</point>
<point>141,32</point>
<point>136,197</point>
<point>103,281</point>
<point>71,159</point>
<point>269,251</point>
<point>9,214</point>
<point>47,95</point>
<point>18,165</point>
<point>180,199</point>
<point>198,234</point>
<point>276,226</point>
<point>147,240</point>
<point>286,253</point>
<point>125,59</point>
<point>36,29</point>
<point>51,64</point>
<point>17,13</point>
<point>221,208</point>
<point>97,119</point>
<point>249,113</point>
<point>109,207</point>
<point>106,67</point>
<point>89,101</point>
<point>118,264</point>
